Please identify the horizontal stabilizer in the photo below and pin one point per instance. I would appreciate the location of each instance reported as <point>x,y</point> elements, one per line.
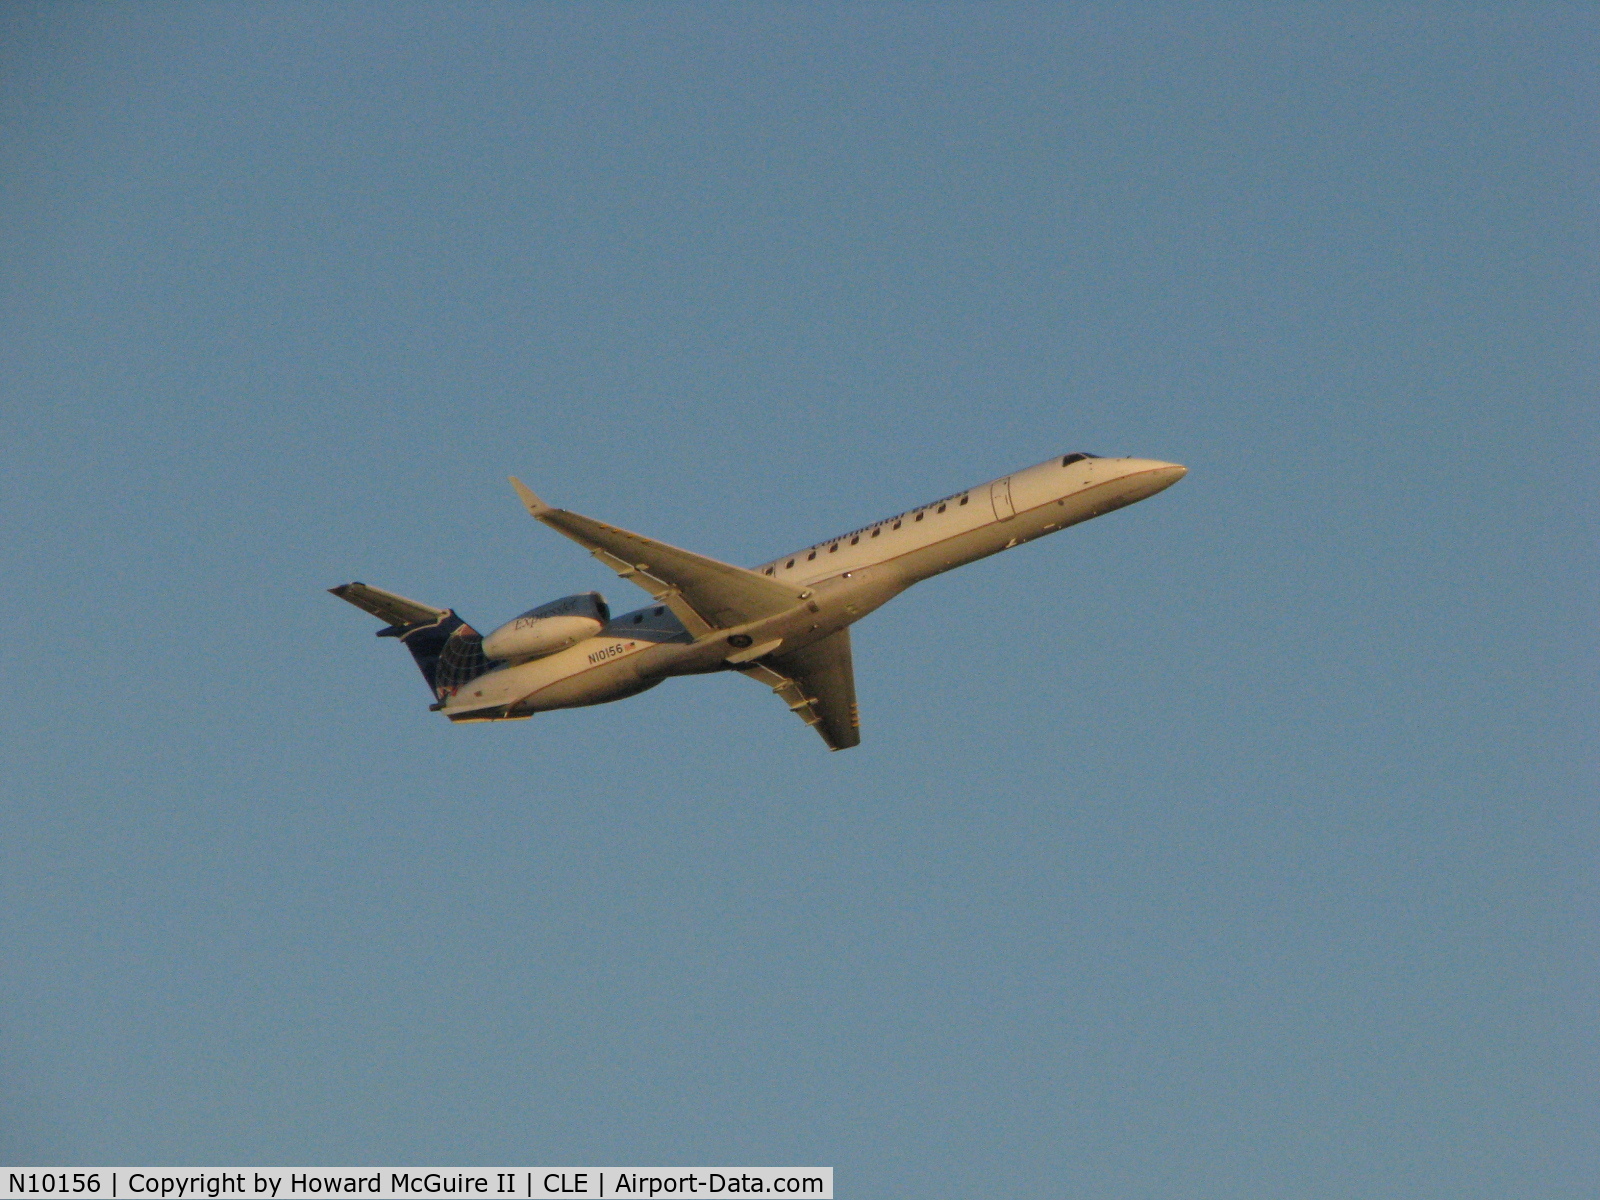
<point>386,606</point>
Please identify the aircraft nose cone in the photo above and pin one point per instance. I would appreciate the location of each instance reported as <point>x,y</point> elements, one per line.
<point>1148,476</point>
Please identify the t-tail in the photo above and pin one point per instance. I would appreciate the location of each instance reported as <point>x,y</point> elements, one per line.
<point>449,652</point>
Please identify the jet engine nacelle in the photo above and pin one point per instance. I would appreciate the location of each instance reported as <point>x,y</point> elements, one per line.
<point>548,628</point>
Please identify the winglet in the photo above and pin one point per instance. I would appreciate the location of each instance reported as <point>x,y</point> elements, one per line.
<point>535,506</point>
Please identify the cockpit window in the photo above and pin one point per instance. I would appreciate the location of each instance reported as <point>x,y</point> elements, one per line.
<point>1072,458</point>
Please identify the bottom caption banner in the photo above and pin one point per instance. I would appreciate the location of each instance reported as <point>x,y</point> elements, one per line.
<point>453,1183</point>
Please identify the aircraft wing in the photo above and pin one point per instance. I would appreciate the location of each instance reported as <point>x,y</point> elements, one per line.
<point>706,595</point>
<point>819,684</point>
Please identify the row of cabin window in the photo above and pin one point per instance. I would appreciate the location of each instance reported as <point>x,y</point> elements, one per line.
<point>857,537</point>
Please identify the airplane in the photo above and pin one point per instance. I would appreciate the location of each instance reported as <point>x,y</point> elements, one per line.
<point>785,623</point>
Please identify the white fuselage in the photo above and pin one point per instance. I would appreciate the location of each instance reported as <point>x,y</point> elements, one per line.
<point>837,582</point>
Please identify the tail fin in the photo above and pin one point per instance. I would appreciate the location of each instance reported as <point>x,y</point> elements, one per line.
<point>448,651</point>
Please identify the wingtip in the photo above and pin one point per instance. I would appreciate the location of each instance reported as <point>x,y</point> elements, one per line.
<point>531,502</point>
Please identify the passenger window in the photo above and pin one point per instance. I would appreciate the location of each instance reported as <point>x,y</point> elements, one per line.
<point>919,516</point>
<point>833,549</point>
<point>876,532</point>
<point>963,499</point>
<point>659,611</point>
<point>897,524</point>
<point>855,539</point>
<point>788,564</point>
<point>941,508</point>
<point>810,556</point>
<point>770,570</point>
<point>638,617</point>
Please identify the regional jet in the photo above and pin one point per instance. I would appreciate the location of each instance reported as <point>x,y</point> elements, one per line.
<point>785,623</point>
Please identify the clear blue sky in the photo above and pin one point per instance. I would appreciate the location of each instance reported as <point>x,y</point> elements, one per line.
<point>1240,844</point>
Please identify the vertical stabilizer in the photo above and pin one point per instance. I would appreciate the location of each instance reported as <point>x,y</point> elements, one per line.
<point>447,650</point>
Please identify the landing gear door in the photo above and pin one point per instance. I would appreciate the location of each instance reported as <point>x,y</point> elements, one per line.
<point>1000,497</point>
